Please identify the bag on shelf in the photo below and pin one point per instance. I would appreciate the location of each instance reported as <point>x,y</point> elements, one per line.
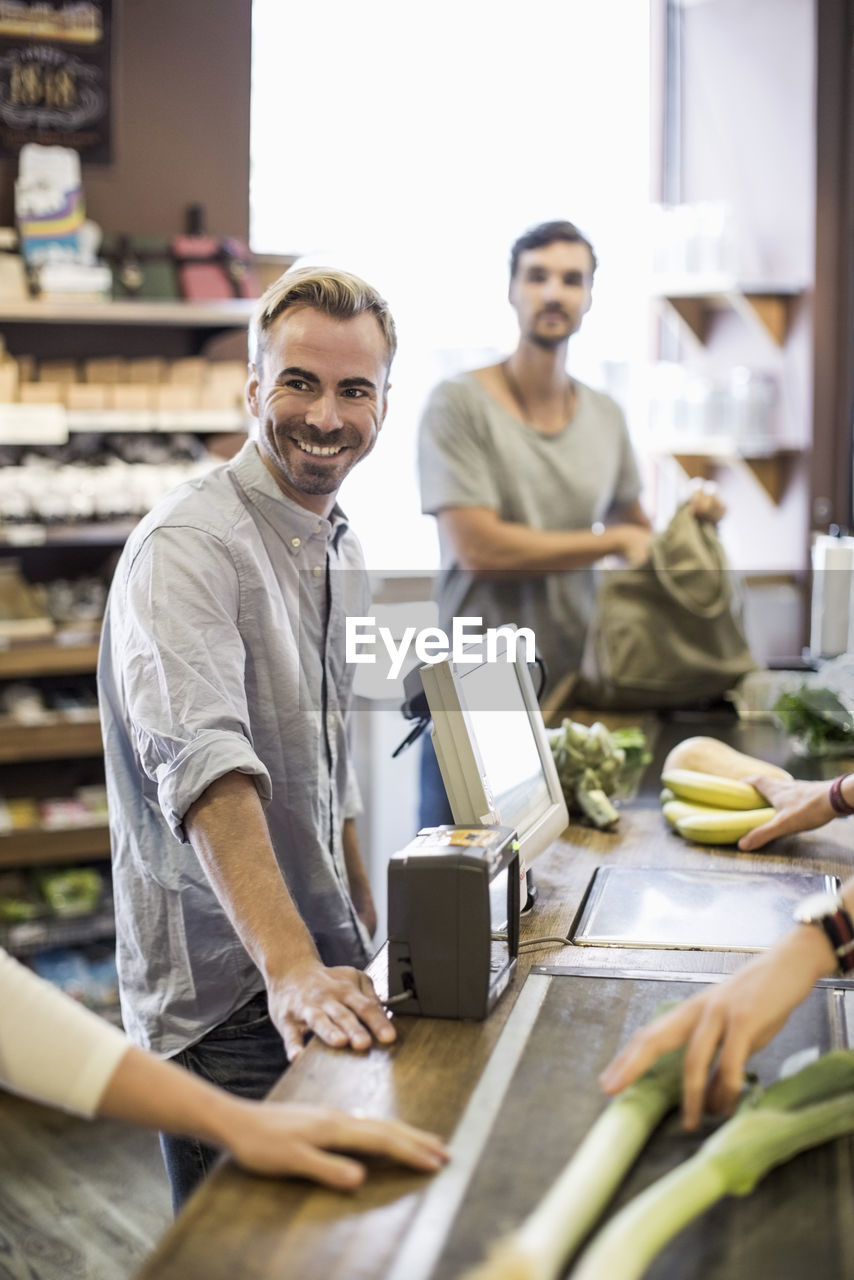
<point>142,266</point>
<point>668,633</point>
<point>210,268</point>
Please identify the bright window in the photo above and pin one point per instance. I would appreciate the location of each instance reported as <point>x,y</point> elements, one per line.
<point>413,144</point>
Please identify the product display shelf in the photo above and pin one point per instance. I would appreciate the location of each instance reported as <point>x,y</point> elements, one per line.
<point>700,458</point>
<point>20,661</point>
<point>696,300</point>
<point>36,757</point>
<point>55,735</point>
<point>59,753</point>
<point>766,308</point>
<point>42,846</point>
<point>27,937</point>
<point>230,314</point>
<point>100,533</point>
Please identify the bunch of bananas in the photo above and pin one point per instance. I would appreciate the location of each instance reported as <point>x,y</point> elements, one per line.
<point>710,809</point>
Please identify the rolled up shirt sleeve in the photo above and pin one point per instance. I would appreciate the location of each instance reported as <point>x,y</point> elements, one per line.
<point>184,670</point>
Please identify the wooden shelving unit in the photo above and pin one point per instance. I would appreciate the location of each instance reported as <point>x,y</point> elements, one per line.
<point>104,534</point>
<point>54,737</point>
<point>766,308</point>
<point>59,755</point>
<point>703,458</point>
<point>230,314</point>
<point>697,301</point>
<point>20,661</point>
<point>43,846</point>
<point>26,937</point>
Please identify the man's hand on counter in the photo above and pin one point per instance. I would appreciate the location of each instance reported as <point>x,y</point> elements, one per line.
<point>339,1005</point>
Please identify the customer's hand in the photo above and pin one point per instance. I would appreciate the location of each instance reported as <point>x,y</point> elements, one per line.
<point>339,1005</point>
<point>286,1138</point>
<point>633,542</point>
<point>706,502</point>
<point>737,1017</point>
<point>801,806</point>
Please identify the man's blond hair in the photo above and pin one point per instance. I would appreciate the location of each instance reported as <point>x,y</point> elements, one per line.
<point>336,293</point>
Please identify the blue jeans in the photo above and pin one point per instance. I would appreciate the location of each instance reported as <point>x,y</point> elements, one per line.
<point>433,806</point>
<point>245,1055</point>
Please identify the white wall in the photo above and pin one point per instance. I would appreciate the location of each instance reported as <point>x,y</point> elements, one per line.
<point>749,139</point>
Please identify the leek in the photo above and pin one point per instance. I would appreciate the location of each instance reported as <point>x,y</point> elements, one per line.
<point>804,1110</point>
<point>540,1248</point>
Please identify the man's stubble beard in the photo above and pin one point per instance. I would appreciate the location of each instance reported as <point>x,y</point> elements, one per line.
<point>548,344</point>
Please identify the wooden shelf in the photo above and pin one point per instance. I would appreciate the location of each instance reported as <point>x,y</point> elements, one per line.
<point>232,313</point>
<point>40,847</point>
<point>772,471</point>
<point>27,937</point>
<point>766,307</point>
<point>55,739</point>
<point>48,660</point>
<point>106,533</point>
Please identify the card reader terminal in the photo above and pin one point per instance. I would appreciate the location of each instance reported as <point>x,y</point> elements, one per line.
<point>453,920</point>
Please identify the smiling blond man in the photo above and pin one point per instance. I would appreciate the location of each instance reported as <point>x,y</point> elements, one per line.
<point>243,909</point>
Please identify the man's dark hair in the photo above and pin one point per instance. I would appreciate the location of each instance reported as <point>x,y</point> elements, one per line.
<point>547,233</point>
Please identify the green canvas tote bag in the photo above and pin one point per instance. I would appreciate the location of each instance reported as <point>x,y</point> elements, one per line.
<point>668,633</point>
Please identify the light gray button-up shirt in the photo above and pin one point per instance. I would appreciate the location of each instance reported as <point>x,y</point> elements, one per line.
<point>222,650</point>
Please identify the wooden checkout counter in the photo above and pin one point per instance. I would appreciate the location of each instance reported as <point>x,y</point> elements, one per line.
<point>515,1093</point>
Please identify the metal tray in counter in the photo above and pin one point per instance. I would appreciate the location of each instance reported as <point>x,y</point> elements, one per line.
<point>538,1097</point>
<point>692,908</point>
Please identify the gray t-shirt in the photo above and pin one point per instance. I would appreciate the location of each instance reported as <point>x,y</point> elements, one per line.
<point>473,453</point>
<point>222,650</point>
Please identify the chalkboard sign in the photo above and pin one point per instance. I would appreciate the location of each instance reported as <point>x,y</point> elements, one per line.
<point>55,76</point>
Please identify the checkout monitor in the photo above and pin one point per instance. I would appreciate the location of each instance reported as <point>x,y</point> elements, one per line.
<point>492,749</point>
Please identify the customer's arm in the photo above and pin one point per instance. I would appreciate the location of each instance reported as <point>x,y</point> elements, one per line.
<point>484,543</point>
<point>800,806</point>
<point>266,1137</point>
<point>57,1052</point>
<point>227,828</point>
<point>461,486</point>
<point>732,1018</point>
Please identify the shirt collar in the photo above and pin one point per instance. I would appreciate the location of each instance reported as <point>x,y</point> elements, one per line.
<point>261,487</point>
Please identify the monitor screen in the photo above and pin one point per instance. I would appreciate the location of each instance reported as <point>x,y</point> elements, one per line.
<point>492,749</point>
<point>505,740</point>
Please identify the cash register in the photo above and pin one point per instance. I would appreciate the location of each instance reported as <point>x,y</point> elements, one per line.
<point>455,892</point>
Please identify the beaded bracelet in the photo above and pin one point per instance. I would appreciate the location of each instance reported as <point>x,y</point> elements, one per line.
<point>838,803</point>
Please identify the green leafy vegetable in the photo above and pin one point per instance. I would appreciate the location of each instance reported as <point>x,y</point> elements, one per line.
<point>632,743</point>
<point>591,763</point>
<point>541,1246</point>
<point>817,719</point>
<point>806,1109</point>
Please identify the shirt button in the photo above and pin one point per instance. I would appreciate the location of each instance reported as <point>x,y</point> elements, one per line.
<point>296,542</point>
<point>317,571</point>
